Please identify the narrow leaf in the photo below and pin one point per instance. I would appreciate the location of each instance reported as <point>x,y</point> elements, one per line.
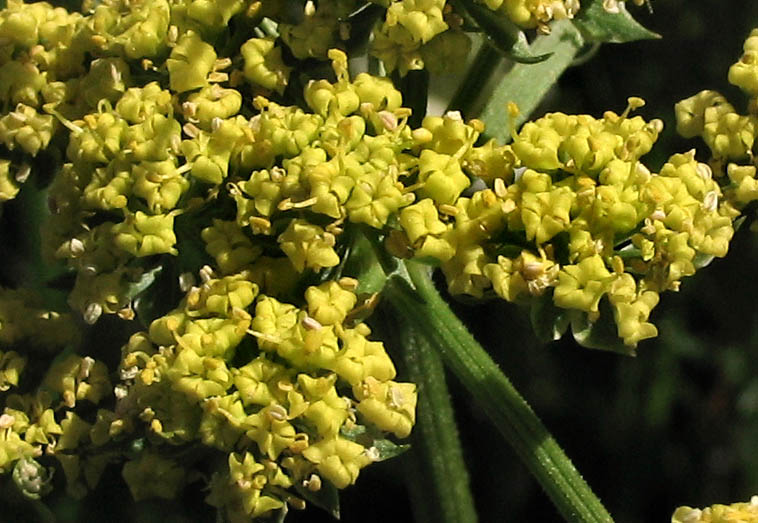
<point>599,25</point>
<point>527,84</point>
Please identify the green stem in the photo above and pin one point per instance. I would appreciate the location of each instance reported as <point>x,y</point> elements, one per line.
<point>492,390</point>
<point>527,84</point>
<point>444,488</point>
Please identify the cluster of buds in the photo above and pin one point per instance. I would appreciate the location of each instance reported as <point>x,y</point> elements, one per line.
<point>43,423</point>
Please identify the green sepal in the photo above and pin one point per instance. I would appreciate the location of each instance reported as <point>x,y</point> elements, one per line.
<point>503,35</point>
<point>599,334</point>
<point>326,498</point>
<point>598,25</point>
<point>363,264</point>
<point>549,322</point>
<point>282,514</point>
<point>389,449</point>
<point>371,439</point>
<point>145,281</point>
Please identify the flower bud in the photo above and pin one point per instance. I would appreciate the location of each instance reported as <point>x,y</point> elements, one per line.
<point>190,63</point>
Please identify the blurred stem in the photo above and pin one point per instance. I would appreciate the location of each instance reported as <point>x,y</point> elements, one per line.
<point>415,88</point>
<point>478,75</point>
<point>527,84</point>
<point>17,506</point>
<point>436,446</point>
<point>30,212</point>
<point>425,309</point>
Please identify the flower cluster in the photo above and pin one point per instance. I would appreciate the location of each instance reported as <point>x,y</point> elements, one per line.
<point>164,140</point>
<point>284,418</point>
<point>736,512</point>
<point>535,13</point>
<point>568,213</point>
<point>405,34</point>
<point>730,136</point>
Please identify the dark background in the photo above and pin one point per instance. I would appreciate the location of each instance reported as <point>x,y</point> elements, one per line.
<point>676,425</point>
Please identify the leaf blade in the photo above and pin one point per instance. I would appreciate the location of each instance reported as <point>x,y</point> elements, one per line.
<point>599,25</point>
<point>527,84</point>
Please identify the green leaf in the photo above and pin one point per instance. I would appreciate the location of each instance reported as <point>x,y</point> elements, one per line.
<point>527,84</point>
<point>599,25</point>
<point>503,35</point>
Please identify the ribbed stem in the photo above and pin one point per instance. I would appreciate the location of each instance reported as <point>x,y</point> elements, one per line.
<point>435,445</point>
<point>430,316</point>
